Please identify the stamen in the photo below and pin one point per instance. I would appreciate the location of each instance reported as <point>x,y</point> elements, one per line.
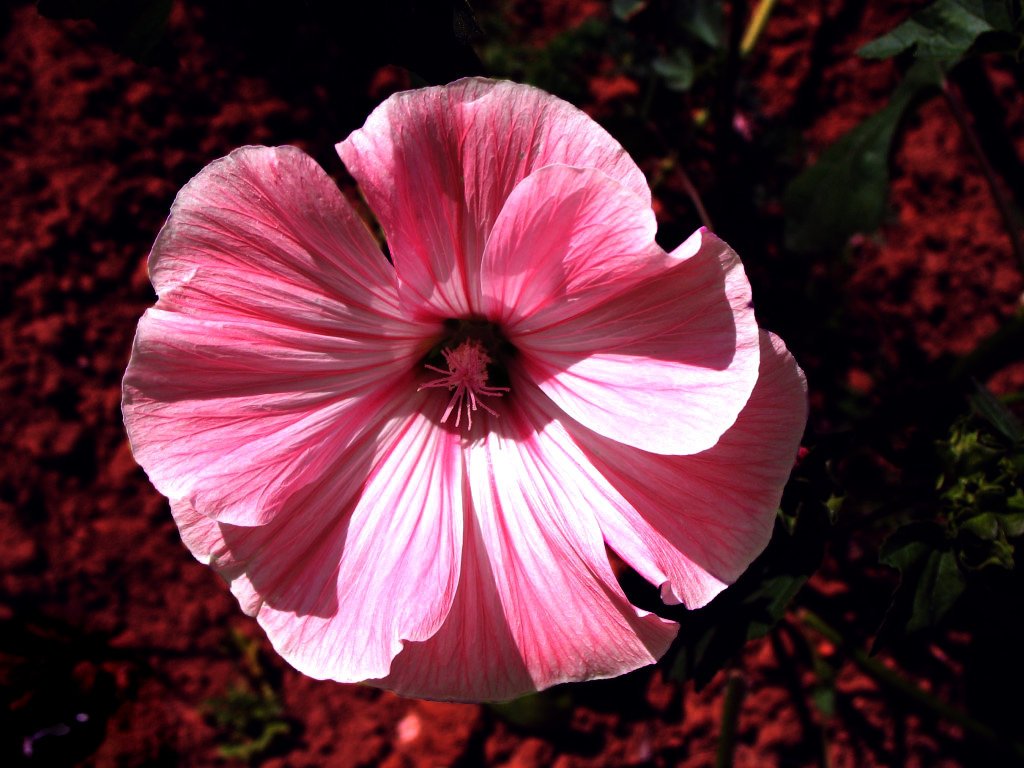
<point>467,376</point>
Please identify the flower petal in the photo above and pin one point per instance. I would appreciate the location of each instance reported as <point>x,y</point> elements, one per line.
<point>274,337</point>
<point>538,603</point>
<point>265,233</point>
<point>204,538</point>
<point>693,524</point>
<point>665,365</point>
<point>437,164</point>
<point>565,236</point>
<point>359,565</point>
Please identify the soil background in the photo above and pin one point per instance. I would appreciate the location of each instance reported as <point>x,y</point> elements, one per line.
<point>117,648</point>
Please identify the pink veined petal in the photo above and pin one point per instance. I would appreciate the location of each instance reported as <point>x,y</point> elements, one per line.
<point>265,233</point>
<point>237,417</point>
<point>437,164</point>
<point>666,365</point>
<point>692,524</point>
<point>360,565</point>
<point>566,236</point>
<point>275,338</point>
<point>538,603</point>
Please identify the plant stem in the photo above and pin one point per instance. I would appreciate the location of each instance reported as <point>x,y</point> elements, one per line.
<point>758,21</point>
<point>735,687</point>
<point>1011,219</point>
<point>671,164</point>
<point>896,683</point>
<point>787,663</point>
<point>692,193</point>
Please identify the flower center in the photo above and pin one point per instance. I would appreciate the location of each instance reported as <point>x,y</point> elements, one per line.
<point>466,379</point>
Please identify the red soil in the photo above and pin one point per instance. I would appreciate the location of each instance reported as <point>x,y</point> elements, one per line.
<point>106,614</point>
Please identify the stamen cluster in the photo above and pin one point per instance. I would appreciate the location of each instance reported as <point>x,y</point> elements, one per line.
<point>467,378</point>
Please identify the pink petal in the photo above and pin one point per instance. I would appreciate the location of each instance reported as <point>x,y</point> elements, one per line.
<point>437,164</point>
<point>204,538</point>
<point>359,565</point>
<point>265,233</point>
<point>272,343</point>
<point>665,365</point>
<point>537,603</point>
<point>566,236</point>
<point>694,523</point>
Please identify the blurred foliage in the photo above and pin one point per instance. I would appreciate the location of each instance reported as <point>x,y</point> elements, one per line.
<point>689,45</point>
<point>977,520</point>
<point>982,491</point>
<point>845,191</point>
<point>930,578</point>
<point>948,29</point>
<point>250,720</point>
<point>701,27</point>
<point>249,715</point>
<point>554,67</point>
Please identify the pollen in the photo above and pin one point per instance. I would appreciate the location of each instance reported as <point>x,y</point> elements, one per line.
<point>466,379</point>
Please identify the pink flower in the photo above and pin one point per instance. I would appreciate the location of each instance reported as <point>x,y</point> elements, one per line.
<point>409,474</point>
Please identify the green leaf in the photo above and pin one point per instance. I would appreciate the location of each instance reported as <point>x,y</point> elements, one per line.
<point>984,526</point>
<point>845,191</point>
<point>624,10</point>
<point>990,408</point>
<point>774,596</point>
<point>704,20</point>
<point>559,67</point>
<point>946,29</point>
<point>1012,523</point>
<point>676,70</point>
<point>930,579</point>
